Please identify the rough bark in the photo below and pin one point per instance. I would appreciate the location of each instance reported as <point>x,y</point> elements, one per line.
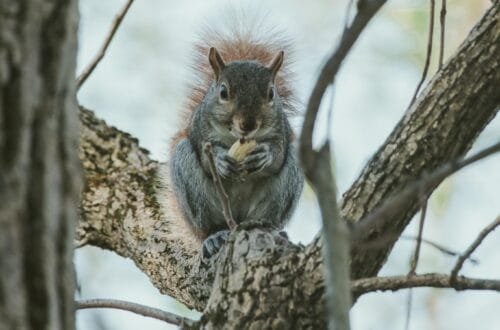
<point>40,170</point>
<point>393,283</point>
<point>259,280</point>
<point>441,125</point>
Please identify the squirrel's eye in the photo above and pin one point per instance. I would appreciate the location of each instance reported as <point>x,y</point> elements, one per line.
<point>223,93</point>
<point>270,94</point>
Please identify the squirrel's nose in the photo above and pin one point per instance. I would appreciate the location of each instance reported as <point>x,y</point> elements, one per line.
<point>247,126</point>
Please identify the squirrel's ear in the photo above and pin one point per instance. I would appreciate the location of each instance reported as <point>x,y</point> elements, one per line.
<point>276,64</point>
<point>216,62</point>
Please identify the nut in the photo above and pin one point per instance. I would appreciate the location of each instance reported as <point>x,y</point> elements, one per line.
<point>241,148</point>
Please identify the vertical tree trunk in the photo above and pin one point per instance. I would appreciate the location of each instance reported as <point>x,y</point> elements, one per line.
<point>39,166</point>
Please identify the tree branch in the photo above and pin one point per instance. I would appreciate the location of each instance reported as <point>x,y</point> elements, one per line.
<point>429,52</point>
<point>394,283</point>
<point>442,31</point>
<point>120,211</point>
<point>135,308</point>
<point>412,190</point>
<point>366,10</point>
<point>438,247</point>
<point>441,125</point>
<point>482,235</point>
<point>337,239</point>
<point>317,168</point>
<point>416,255</point>
<point>102,51</point>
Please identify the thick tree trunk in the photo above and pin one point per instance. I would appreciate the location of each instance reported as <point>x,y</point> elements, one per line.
<point>259,281</point>
<point>39,165</point>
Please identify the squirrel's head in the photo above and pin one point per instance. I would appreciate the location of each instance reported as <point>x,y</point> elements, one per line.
<point>244,96</point>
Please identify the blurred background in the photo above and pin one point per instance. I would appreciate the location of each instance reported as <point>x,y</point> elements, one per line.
<point>141,83</point>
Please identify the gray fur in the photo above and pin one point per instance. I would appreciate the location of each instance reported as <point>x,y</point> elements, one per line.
<point>270,190</point>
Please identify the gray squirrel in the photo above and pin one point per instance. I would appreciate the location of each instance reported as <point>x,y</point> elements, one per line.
<point>242,92</point>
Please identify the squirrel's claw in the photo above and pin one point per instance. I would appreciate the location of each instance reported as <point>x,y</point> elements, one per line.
<point>257,160</point>
<point>214,243</point>
<point>226,166</point>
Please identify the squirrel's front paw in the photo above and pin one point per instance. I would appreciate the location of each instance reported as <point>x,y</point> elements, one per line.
<point>260,158</point>
<point>214,243</point>
<point>226,166</point>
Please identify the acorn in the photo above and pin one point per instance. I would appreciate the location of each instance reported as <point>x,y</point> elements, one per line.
<point>241,148</point>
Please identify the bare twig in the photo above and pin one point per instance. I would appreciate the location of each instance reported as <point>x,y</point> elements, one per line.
<point>482,235</point>
<point>439,247</point>
<point>135,308</point>
<point>442,21</point>
<point>348,14</point>
<point>219,188</point>
<point>426,183</point>
<point>381,241</point>
<point>416,255</point>
<point>428,55</point>
<point>102,51</point>
<point>394,283</point>
<point>409,304</point>
<point>414,260</point>
<point>330,112</point>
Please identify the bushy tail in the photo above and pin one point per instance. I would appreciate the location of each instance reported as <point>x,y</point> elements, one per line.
<point>237,40</point>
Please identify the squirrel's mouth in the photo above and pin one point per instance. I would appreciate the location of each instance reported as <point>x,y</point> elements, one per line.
<point>240,134</point>
<point>247,129</point>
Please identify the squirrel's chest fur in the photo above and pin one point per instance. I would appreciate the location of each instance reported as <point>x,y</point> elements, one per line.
<point>245,197</point>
